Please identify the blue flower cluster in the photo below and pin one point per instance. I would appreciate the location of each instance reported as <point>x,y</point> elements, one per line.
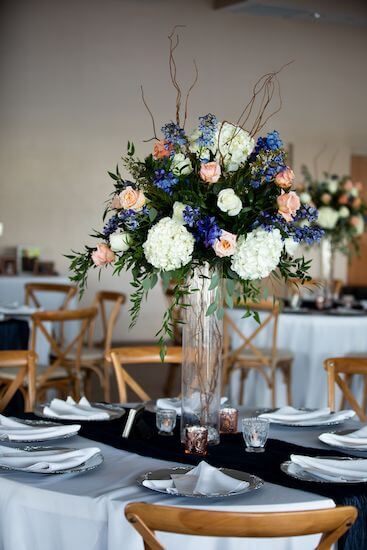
<point>308,234</point>
<point>129,219</point>
<point>207,126</point>
<point>165,180</point>
<point>267,159</point>
<point>207,231</point>
<point>174,134</point>
<point>309,213</point>
<point>191,215</point>
<point>111,226</point>
<point>271,142</point>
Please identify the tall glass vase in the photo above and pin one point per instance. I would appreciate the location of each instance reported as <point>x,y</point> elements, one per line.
<point>328,267</point>
<point>202,356</point>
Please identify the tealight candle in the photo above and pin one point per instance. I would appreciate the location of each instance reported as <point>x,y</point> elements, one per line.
<point>255,433</point>
<point>165,421</point>
<point>228,419</point>
<point>196,440</point>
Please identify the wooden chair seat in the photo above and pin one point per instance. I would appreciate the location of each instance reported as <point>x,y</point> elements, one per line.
<point>87,354</point>
<point>282,355</point>
<point>7,374</point>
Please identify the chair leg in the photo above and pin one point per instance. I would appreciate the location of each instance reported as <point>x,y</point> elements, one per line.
<point>286,369</point>
<point>170,380</point>
<point>107,382</point>
<point>244,373</point>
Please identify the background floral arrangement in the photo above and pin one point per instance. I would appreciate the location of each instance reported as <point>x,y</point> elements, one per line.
<point>341,208</point>
<point>215,194</point>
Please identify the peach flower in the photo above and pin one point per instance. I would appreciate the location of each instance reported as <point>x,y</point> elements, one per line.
<point>225,245</point>
<point>348,185</point>
<point>285,178</point>
<point>115,203</point>
<point>358,185</point>
<point>326,198</point>
<point>343,199</point>
<point>210,172</point>
<point>162,149</point>
<point>103,255</point>
<point>288,204</point>
<point>132,199</point>
<point>354,221</point>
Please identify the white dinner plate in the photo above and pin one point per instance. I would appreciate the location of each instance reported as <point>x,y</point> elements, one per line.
<point>327,420</point>
<point>296,471</point>
<point>254,482</point>
<point>114,410</point>
<point>37,424</point>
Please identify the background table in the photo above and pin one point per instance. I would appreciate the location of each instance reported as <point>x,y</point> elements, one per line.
<point>312,338</point>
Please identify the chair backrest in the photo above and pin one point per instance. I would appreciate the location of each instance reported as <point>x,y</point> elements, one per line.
<point>123,356</point>
<point>25,378</point>
<point>60,351</point>
<point>100,301</point>
<point>313,286</point>
<point>348,366</point>
<point>247,341</point>
<point>33,289</point>
<point>148,518</point>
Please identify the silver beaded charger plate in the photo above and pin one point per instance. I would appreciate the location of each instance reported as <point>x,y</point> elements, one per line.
<point>327,420</point>
<point>296,471</point>
<point>254,482</point>
<point>114,411</point>
<point>37,424</point>
<point>342,447</point>
<point>90,464</point>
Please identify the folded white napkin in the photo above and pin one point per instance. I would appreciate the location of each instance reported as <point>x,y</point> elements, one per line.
<point>202,480</point>
<point>333,469</point>
<point>356,439</point>
<point>45,461</point>
<point>70,410</point>
<point>295,416</point>
<point>16,431</point>
<point>174,403</point>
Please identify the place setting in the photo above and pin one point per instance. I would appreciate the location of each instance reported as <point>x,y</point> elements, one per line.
<point>82,411</point>
<point>303,418</point>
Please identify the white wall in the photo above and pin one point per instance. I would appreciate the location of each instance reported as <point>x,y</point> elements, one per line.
<point>69,101</point>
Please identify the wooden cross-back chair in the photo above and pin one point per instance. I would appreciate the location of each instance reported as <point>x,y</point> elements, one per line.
<point>125,356</point>
<point>312,286</point>
<point>63,373</point>
<point>94,352</point>
<point>347,366</point>
<point>18,372</point>
<point>265,360</point>
<point>148,518</point>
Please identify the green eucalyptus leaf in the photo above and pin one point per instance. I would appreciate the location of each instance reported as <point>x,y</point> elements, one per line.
<point>211,309</point>
<point>220,313</point>
<point>214,282</point>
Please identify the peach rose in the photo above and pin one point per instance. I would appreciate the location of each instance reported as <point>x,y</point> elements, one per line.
<point>348,185</point>
<point>103,255</point>
<point>326,198</point>
<point>358,185</point>
<point>285,178</point>
<point>354,221</point>
<point>225,245</point>
<point>210,172</point>
<point>115,203</point>
<point>162,149</point>
<point>343,199</point>
<point>288,204</point>
<point>132,199</point>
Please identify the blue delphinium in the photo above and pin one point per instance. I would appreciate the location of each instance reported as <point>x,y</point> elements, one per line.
<point>191,215</point>
<point>207,231</point>
<point>207,126</point>
<point>129,219</point>
<point>308,234</point>
<point>273,140</point>
<point>111,226</point>
<point>165,180</point>
<point>267,160</point>
<point>174,134</point>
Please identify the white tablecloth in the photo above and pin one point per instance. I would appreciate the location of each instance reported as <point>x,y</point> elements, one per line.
<point>312,339</point>
<point>85,511</point>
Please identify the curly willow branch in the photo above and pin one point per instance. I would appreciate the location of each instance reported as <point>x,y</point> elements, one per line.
<point>190,90</point>
<point>174,41</point>
<point>151,116</point>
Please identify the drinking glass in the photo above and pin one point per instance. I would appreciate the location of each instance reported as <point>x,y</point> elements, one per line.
<point>255,433</point>
<point>165,421</point>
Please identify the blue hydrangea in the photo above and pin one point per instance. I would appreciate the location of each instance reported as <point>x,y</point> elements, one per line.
<point>165,180</point>
<point>191,215</point>
<point>207,126</point>
<point>174,134</point>
<point>207,231</point>
<point>111,226</point>
<point>129,219</point>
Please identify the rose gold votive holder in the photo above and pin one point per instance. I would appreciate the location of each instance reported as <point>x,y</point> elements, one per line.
<point>196,440</point>
<point>228,419</point>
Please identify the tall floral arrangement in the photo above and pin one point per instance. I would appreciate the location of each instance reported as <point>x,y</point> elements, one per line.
<point>218,195</point>
<point>342,210</point>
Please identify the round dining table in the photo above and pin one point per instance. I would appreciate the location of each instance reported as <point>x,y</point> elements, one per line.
<point>312,337</point>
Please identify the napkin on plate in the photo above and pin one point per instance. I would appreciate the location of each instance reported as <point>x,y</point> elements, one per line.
<point>70,410</point>
<point>174,403</point>
<point>356,439</point>
<point>293,416</point>
<point>202,480</point>
<point>333,469</point>
<point>12,430</point>
<point>47,460</point>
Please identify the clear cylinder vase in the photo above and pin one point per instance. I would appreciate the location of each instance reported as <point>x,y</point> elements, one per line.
<point>202,342</point>
<point>328,267</point>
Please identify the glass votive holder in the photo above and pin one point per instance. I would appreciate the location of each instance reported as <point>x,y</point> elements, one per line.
<point>165,421</point>
<point>228,420</point>
<point>255,433</point>
<point>196,440</point>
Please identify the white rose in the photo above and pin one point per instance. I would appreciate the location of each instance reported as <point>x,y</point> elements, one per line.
<point>353,192</point>
<point>328,217</point>
<point>181,165</point>
<point>305,198</point>
<point>120,241</point>
<point>332,186</point>
<point>229,202</point>
<point>344,212</point>
<point>178,209</point>
<point>291,246</point>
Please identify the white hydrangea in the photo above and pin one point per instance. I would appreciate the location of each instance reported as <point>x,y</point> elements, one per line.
<point>328,217</point>
<point>305,197</point>
<point>257,254</point>
<point>291,246</point>
<point>169,245</point>
<point>344,212</point>
<point>233,145</point>
<point>332,185</point>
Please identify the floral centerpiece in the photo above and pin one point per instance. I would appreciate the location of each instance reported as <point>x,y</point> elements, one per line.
<point>212,213</point>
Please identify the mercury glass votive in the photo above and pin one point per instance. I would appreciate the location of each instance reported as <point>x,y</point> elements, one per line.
<point>255,433</point>
<point>196,440</point>
<point>228,419</point>
<point>165,421</point>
